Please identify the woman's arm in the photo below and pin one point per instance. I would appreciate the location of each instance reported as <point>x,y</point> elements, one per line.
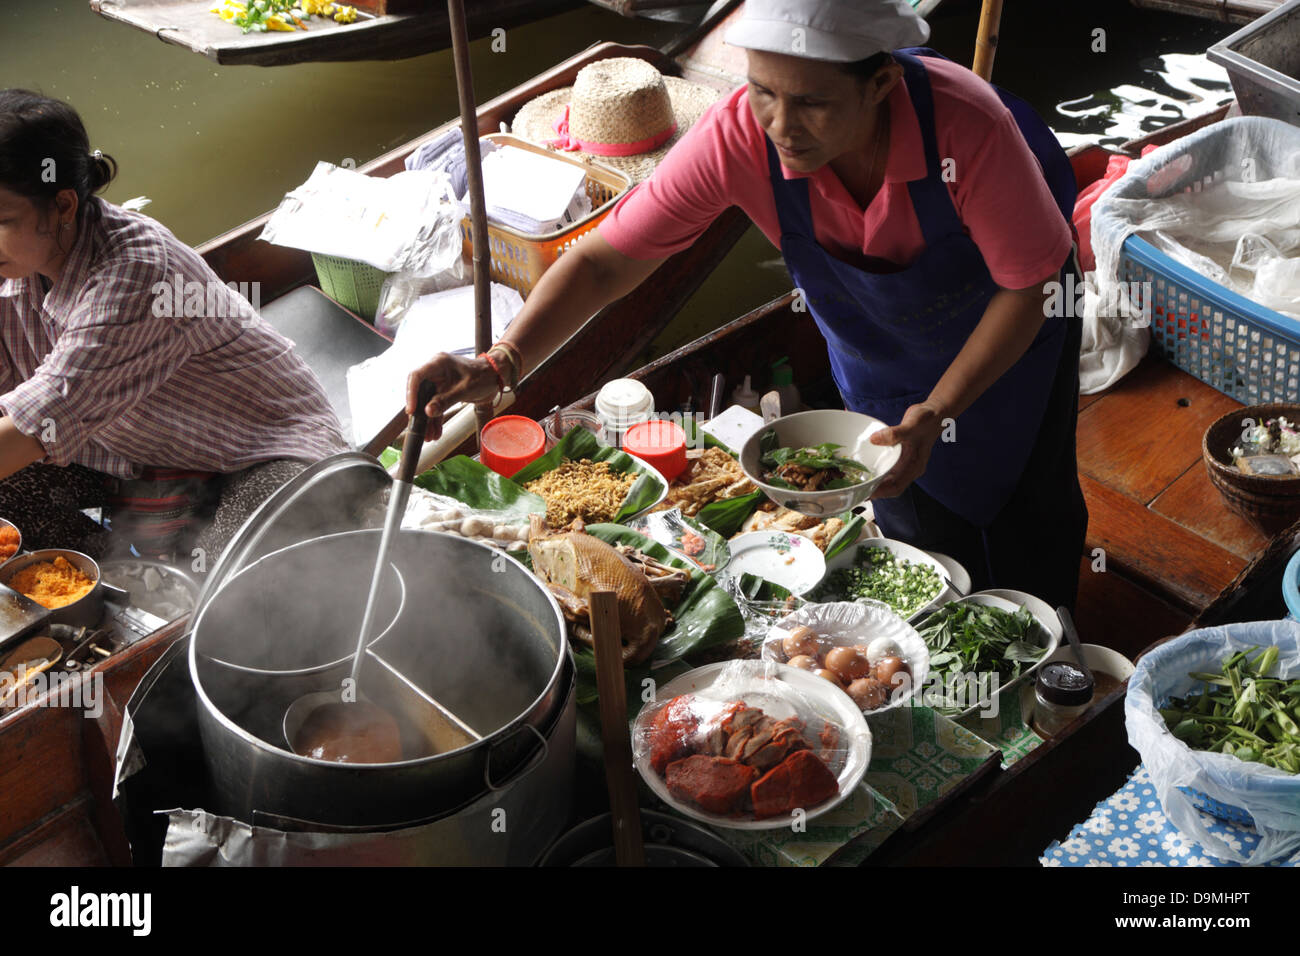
<point>1010,322</point>
<point>581,283</point>
<point>17,450</point>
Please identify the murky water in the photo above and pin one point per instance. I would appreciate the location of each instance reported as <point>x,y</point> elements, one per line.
<point>215,146</point>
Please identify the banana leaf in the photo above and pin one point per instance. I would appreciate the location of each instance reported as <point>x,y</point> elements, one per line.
<point>704,617</point>
<point>847,535</point>
<point>580,443</point>
<point>726,517</point>
<point>476,485</point>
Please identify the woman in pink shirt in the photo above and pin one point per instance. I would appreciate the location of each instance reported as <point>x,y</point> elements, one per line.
<point>131,377</point>
<point>921,213</point>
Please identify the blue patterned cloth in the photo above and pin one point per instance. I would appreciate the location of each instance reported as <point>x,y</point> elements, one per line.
<point>1129,829</point>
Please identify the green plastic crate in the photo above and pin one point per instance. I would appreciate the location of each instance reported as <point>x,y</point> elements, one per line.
<point>352,284</point>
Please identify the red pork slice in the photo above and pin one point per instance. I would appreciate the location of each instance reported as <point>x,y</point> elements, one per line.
<point>671,731</point>
<point>716,784</point>
<point>800,781</point>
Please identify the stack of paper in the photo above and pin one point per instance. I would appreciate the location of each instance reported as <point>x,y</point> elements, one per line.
<point>533,193</point>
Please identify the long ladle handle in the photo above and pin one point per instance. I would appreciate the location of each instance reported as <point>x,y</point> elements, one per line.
<point>393,519</point>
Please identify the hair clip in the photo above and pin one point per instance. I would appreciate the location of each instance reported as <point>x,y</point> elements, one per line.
<point>96,154</point>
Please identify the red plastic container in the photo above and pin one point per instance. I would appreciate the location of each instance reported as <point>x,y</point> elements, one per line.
<point>510,442</point>
<point>660,444</point>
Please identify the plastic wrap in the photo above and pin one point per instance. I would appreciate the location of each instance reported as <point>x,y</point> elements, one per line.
<point>1270,796</point>
<point>703,747</point>
<point>1224,201</point>
<point>427,511</point>
<point>852,624</point>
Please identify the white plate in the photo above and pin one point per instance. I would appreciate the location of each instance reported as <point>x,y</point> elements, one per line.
<point>847,559</point>
<point>958,576</point>
<point>790,560</point>
<point>831,703</point>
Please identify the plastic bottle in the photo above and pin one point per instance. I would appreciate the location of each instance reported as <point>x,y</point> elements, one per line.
<point>745,396</point>
<point>783,382</point>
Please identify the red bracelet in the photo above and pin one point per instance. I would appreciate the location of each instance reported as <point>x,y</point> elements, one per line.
<point>501,380</point>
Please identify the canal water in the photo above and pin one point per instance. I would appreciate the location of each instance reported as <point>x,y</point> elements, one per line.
<point>215,146</point>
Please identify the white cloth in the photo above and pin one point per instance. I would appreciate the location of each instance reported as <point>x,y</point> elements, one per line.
<point>1110,347</point>
<point>841,31</point>
<point>441,322</point>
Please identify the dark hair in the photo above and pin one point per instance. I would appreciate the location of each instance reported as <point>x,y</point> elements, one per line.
<point>44,149</point>
<point>866,69</point>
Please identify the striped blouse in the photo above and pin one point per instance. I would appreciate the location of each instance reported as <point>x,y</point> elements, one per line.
<point>140,356</point>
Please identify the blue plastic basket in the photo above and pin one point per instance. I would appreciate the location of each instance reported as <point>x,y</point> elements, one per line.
<point>1224,339</point>
<point>1291,587</point>
<point>1224,811</point>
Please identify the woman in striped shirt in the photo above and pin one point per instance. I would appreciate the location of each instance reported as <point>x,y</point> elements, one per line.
<point>130,375</point>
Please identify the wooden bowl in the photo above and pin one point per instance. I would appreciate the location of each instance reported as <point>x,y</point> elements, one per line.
<point>1270,502</point>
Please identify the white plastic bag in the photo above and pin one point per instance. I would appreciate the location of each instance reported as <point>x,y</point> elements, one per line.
<point>1270,796</point>
<point>1224,201</point>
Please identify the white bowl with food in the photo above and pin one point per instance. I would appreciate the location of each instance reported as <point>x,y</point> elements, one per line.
<point>909,580</point>
<point>1044,633</point>
<point>800,757</point>
<point>863,648</point>
<point>805,461</point>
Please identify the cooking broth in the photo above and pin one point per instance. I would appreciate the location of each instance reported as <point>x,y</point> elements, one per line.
<point>357,732</point>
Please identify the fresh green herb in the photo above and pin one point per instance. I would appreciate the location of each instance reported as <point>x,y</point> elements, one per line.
<point>881,575</point>
<point>1243,712</point>
<point>966,639</point>
<point>815,458</point>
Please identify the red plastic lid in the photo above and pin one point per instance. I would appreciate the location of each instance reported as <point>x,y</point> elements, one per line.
<point>660,444</point>
<point>510,442</point>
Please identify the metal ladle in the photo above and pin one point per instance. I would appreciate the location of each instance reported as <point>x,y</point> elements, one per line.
<point>300,709</point>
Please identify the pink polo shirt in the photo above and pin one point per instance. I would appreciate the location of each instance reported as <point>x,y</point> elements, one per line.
<point>997,187</point>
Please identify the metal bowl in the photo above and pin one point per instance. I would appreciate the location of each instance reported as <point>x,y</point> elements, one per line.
<point>85,611</point>
<point>5,523</point>
<point>852,431</point>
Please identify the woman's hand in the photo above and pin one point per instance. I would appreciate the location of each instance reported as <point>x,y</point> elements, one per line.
<point>917,432</point>
<point>454,379</point>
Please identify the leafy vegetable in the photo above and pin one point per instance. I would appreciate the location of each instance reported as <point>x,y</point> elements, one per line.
<point>817,457</point>
<point>967,639</point>
<point>1243,712</point>
<point>580,443</point>
<point>881,575</point>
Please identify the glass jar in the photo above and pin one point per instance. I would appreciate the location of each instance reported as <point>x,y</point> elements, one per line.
<point>1062,692</point>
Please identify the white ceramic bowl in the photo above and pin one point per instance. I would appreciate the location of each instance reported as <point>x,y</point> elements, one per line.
<point>852,431</point>
<point>846,623</point>
<point>848,558</point>
<point>831,703</point>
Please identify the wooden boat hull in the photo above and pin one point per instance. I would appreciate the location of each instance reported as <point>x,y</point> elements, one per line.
<point>390,36</point>
<point>1225,11</point>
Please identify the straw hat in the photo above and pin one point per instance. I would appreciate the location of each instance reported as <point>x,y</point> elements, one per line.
<point>622,113</point>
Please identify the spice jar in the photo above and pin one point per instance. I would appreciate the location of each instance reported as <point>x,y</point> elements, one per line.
<point>620,404</point>
<point>1062,692</point>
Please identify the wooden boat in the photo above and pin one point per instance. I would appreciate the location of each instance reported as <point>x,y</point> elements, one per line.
<point>682,9</point>
<point>1174,558</point>
<point>384,30</point>
<point>1225,11</point>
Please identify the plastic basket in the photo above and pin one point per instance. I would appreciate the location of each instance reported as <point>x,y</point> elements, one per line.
<point>518,259</point>
<point>1224,811</point>
<point>352,284</point>
<point>1224,339</point>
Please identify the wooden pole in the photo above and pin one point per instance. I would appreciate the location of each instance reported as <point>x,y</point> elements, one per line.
<point>628,847</point>
<point>474,172</point>
<point>986,38</point>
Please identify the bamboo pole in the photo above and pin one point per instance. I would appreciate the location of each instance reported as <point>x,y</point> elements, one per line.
<point>474,172</point>
<point>625,813</point>
<point>986,38</point>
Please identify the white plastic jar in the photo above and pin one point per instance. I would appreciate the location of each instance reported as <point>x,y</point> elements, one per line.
<point>620,404</point>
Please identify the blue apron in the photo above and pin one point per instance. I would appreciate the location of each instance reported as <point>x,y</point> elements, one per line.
<point>891,336</point>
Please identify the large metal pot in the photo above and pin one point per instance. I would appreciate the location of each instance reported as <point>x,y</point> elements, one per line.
<point>478,633</point>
